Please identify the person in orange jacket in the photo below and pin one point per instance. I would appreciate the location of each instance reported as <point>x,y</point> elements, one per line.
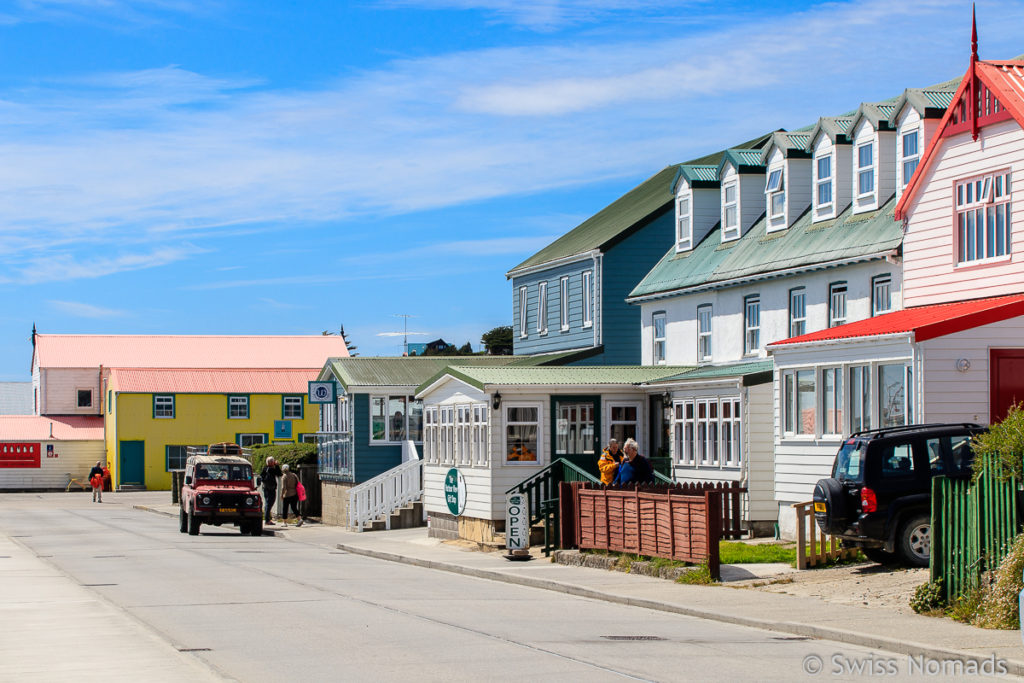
<point>106,478</point>
<point>609,461</point>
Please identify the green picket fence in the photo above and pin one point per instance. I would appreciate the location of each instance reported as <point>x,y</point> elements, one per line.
<point>973,527</point>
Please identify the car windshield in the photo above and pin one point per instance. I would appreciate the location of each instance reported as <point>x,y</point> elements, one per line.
<point>219,472</point>
<point>850,461</point>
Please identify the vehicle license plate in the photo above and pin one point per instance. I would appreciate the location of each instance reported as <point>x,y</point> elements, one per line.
<point>227,509</point>
<point>819,507</point>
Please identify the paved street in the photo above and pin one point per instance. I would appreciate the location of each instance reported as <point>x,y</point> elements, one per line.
<point>272,609</point>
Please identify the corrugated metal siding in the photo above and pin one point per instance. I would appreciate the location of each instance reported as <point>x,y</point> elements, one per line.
<point>16,398</point>
<point>186,351</point>
<point>405,372</point>
<point>565,375</point>
<point>214,381</point>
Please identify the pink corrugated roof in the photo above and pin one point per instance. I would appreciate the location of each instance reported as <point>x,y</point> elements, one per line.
<point>36,428</point>
<point>212,381</point>
<point>186,351</point>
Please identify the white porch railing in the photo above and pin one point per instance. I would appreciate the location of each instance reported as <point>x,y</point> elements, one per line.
<point>334,453</point>
<point>385,493</point>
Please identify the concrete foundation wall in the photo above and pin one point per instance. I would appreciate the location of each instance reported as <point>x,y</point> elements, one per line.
<point>335,502</point>
<point>449,527</point>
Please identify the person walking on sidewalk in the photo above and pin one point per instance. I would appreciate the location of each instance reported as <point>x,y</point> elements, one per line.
<point>609,461</point>
<point>96,481</point>
<point>290,494</point>
<point>268,475</point>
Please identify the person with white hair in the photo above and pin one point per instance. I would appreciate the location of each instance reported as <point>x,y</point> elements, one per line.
<point>290,493</point>
<point>635,468</point>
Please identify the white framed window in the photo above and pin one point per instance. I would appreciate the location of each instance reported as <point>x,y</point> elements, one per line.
<point>730,211</point>
<point>291,407</point>
<point>881,294</point>
<point>832,400</point>
<point>732,433</point>
<point>798,397</point>
<point>480,450</point>
<point>860,398</point>
<point>523,441</point>
<point>751,324</point>
<point>163,407</point>
<point>983,217</point>
<point>797,311</point>
<point>685,433</point>
<point>624,421</point>
<point>707,432</point>
<point>588,298</point>
<point>563,296</point>
<point>774,187</point>
<point>83,398</point>
<point>836,304</point>
<point>823,184</point>
<point>895,405</point>
<point>430,425</point>
<point>865,170</point>
<point>658,325</point>
<point>911,156</point>
<point>684,224</point>
<point>704,332</point>
<point>523,332</point>
<point>463,435</point>
<point>238,408</point>
<point>250,440</point>
<point>395,418</point>
<point>447,434</point>
<point>542,308</point>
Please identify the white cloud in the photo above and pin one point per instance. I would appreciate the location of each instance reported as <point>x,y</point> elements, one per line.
<point>56,267</point>
<point>543,15</point>
<point>83,310</point>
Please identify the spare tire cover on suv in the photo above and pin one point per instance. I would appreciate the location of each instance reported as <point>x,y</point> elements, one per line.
<point>836,518</point>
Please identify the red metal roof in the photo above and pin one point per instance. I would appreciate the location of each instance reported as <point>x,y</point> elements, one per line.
<point>212,381</point>
<point>37,428</point>
<point>1006,81</point>
<point>923,322</point>
<point>186,351</point>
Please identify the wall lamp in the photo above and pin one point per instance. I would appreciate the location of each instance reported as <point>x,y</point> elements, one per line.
<point>666,399</point>
<point>496,400</point>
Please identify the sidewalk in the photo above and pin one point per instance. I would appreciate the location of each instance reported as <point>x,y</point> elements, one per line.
<point>912,634</point>
<point>58,630</point>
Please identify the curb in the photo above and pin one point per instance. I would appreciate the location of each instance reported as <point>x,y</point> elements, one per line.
<point>909,648</point>
<point>165,513</point>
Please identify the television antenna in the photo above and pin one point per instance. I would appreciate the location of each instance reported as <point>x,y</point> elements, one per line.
<point>404,333</point>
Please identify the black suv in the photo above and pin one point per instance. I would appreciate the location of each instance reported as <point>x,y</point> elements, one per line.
<point>879,495</point>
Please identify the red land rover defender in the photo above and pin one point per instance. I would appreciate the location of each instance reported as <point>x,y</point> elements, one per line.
<point>219,488</point>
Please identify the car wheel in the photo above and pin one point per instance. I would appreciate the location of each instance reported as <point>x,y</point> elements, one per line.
<point>915,541</point>
<point>182,520</point>
<point>256,529</point>
<point>879,555</point>
<point>193,523</point>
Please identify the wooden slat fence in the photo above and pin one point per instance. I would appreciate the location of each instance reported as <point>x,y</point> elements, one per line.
<point>647,521</point>
<point>813,546</point>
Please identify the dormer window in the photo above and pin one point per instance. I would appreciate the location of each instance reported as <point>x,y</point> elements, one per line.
<point>684,226</point>
<point>823,183</point>
<point>911,155</point>
<point>865,170</point>
<point>776,196</point>
<point>730,212</point>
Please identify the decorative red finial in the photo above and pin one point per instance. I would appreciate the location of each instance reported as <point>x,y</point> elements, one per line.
<point>974,36</point>
<point>975,100</point>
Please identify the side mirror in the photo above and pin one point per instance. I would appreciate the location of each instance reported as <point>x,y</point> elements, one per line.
<point>188,480</point>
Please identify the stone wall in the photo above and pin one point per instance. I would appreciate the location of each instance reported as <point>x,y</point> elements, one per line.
<point>334,500</point>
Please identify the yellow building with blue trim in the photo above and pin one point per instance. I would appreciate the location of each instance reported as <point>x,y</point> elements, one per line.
<point>154,415</point>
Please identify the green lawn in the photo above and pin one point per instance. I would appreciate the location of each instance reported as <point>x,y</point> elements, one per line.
<point>731,552</point>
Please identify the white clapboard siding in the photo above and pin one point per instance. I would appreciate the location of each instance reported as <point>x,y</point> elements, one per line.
<point>74,458</point>
<point>59,395</point>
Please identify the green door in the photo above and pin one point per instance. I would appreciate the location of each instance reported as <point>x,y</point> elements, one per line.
<point>577,433</point>
<point>132,464</point>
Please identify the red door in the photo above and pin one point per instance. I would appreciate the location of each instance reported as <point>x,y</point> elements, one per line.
<point>1006,382</point>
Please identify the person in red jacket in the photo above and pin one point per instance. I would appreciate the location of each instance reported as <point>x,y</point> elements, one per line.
<point>107,486</point>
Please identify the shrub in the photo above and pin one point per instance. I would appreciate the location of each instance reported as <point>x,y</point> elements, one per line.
<point>999,606</point>
<point>701,574</point>
<point>928,597</point>
<point>1004,444</point>
<point>965,608</point>
<point>290,454</point>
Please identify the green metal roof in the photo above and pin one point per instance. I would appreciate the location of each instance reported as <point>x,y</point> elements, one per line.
<point>622,215</point>
<point>697,176</point>
<point>481,377</point>
<point>743,160</point>
<point>791,144</point>
<point>750,370</point>
<point>398,371</point>
<point>758,254</point>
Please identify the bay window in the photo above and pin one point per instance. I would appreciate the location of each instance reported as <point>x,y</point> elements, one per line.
<point>708,432</point>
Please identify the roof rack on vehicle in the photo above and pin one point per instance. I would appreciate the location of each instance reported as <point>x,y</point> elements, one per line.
<point>884,431</point>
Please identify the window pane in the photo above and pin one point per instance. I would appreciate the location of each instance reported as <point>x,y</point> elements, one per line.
<point>824,168</point>
<point>521,441</point>
<point>416,420</point>
<point>892,395</point>
<point>864,155</point>
<point>805,401</point>
<point>910,144</point>
<point>378,418</point>
<point>824,193</point>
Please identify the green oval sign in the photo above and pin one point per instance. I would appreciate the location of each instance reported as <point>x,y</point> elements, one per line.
<point>455,491</point>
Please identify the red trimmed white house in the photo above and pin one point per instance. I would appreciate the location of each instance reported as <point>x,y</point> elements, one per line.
<point>956,352</point>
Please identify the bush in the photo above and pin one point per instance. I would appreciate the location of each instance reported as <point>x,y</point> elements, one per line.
<point>999,606</point>
<point>1004,444</point>
<point>928,597</point>
<point>290,454</point>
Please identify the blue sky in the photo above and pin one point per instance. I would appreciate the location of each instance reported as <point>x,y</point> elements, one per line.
<point>268,167</point>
